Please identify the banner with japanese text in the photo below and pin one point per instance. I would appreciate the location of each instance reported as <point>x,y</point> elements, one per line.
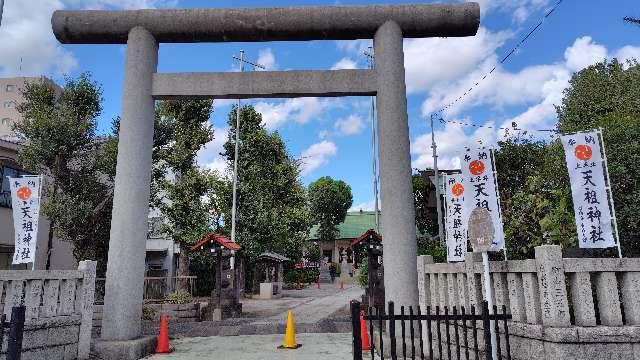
<point>456,227</point>
<point>478,179</point>
<point>590,202</point>
<point>25,198</point>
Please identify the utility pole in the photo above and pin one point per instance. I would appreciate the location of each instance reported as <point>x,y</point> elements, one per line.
<point>1,7</point>
<point>242,61</point>
<point>371,61</point>
<point>437,181</point>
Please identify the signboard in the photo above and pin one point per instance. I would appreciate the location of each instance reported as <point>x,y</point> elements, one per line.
<point>481,230</point>
<point>478,178</point>
<point>588,189</point>
<point>455,224</point>
<point>25,197</point>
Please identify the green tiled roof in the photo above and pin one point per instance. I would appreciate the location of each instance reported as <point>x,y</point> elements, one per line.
<point>355,223</point>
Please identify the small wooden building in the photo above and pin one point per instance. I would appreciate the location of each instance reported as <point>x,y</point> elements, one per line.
<point>273,274</point>
<point>229,273</point>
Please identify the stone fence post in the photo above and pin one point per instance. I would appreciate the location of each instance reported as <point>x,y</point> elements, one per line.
<point>85,303</point>
<point>424,288</point>
<point>552,286</point>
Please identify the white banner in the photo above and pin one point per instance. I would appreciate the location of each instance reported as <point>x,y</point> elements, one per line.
<point>590,202</point>
<point>25,198</point>
<point>455,226</point>
<point>478,179</point>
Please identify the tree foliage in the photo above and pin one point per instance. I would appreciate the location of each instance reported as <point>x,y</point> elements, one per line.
<point>426,218</point>
<point>329,201</point>
<point>533,178</point>
<point>180,187</point>
<point>60,142</point>
<point>272,213</point>
<point>185,195</point>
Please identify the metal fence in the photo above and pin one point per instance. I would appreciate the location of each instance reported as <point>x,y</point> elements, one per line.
<point>440,333</point>
<point>155,288</point>
<point>16,332</point>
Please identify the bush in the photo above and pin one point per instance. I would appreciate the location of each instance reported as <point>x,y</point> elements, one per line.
<point>362,275</point>
<point>148,313</point>
<point>302,275</point>
<point>435,249</point>
<point>178,297</point>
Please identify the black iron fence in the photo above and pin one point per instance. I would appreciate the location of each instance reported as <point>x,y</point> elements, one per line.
<point>439,333</point>
<point>16,331</point>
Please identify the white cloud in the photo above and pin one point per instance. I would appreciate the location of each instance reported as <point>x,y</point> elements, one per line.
<point>365,206</point>
<point>344,63</point>
<point>628,53</point>
<point>540,87</point>
<point>317,155</point>
<point>431,63</point>
<point>209,156</point>
<point>355,46</point>
<point>520,10</point>
<point>300,110</point>
<point>583,53</point>
<point>450,142</point>
<point>350,125</point>
<point>267,59</point>
<point>28,45</point>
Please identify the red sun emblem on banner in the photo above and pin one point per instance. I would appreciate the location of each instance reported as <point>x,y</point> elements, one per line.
<point>24,193</point>
<point>457,189</point>
<point>583,152</point>
<point>476,167</point>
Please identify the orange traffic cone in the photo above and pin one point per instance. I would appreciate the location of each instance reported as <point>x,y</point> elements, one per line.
<point>364,334</point>
<point>341,284</point>
<point>163,338</point>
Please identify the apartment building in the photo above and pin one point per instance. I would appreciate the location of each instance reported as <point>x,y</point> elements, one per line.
<point>10,97</point>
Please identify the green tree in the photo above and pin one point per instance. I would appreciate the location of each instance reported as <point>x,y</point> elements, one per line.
<point>60,142</point>
<point>329,201</point>
<point>534,183</point>
<point>272,213</point>
<point>426,218</point>
<point>607,95</point>
<point>180,189</point>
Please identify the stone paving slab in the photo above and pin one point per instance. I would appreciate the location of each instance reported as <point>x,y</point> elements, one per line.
<point>261,347</point>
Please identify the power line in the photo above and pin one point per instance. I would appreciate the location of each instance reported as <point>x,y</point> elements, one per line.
<point>631,20</point>
<point>514,126</point>
<point>502,61</point>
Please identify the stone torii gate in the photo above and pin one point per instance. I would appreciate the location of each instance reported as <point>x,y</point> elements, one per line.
<point>143,30</point>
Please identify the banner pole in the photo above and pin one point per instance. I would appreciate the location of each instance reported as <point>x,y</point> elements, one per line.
<point>495,183</point>
<point>489,296</point>
<point>612,208</point>
<point>446,215</point>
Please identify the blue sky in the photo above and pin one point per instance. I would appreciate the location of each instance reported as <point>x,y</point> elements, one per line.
<point>333,135</point>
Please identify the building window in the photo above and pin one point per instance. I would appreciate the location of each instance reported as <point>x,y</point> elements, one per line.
<point>5,190</point>
<point>9,104</point>
<point>6,121</point>
<point>11,88</point>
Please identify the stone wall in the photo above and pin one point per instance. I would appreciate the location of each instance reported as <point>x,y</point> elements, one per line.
<point>190,312</point>
<point>562,308</point>
<point>59,310</point>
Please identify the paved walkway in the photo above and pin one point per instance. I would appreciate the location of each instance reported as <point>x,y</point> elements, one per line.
<point>261,347</point>
<point>314,306</point>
